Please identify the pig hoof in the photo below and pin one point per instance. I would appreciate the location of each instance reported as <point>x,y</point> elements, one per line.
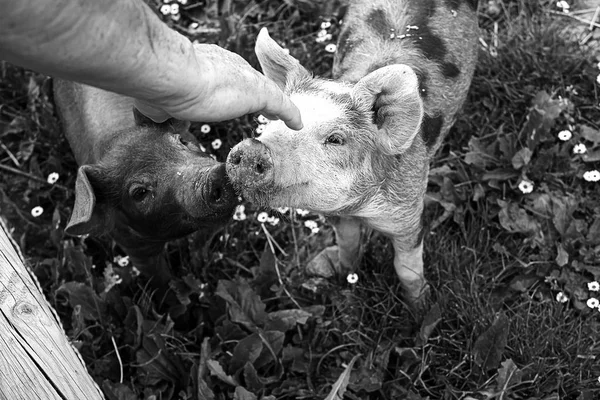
<point>418,297</point>
<point>325,264</point>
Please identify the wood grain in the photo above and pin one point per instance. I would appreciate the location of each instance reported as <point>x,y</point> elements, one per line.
<point>36,359</point>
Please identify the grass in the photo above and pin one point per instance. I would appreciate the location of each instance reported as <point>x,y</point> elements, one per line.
<point>260,328</point>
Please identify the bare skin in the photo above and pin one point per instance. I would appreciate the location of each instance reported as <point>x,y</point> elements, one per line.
<point>121,46</point>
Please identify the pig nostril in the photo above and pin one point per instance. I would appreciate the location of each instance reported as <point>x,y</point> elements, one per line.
<point>216,194</point>
<point>235,158</point>
<point>260,168</point>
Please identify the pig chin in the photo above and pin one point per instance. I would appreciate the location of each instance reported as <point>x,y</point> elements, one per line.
<point>273,196</point>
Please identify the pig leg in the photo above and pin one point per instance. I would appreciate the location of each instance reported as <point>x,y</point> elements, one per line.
<point>408,262</point>
<point>348,234</point>
<point>346,255</point>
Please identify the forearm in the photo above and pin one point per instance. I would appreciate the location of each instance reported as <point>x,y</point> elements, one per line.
<point>118,45</point>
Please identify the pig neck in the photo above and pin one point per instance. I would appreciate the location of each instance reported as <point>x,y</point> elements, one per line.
<point>382,200</point>
<point>97,118</point>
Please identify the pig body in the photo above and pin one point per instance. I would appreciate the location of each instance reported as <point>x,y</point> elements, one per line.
<point>141,182</point>
<point>402,71</point>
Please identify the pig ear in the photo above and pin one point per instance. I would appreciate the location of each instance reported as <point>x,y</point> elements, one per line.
<point>172,124</point>
<point>88,216</point>
<point>392,92</point>
<point>276,63</point>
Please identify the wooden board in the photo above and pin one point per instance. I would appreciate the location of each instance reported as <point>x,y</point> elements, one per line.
<point>36,359</point>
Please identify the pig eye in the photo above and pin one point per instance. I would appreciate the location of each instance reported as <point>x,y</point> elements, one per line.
<point>182,140</point>
<point>138,193</point>
<point>335,138</point>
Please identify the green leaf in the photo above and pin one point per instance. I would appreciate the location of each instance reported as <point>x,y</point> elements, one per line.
<point>589,133</point>
<point>245,307</point>
<point>242,394</point>
<point>562,257</point>
<point>541,118</point>
<point>433,317</point>
<point>92,307</point>
<point>272,346</point>
<point>218,371</point>
<point>489,347</point>
<point>117,391</point>
<point>339,387</point>
<point>508,376</point>
<point>158,362</point>
<point>251,378</point>
<point>478,154</point>
<point>285,320</point>
<point>296,356</point>
<point>521,158</point>
<point>204,392</point>
<point>500,174</point>
<point>247,350</point>
<point>593,235</point>
<point>591,156</point>
<point>515,219</point>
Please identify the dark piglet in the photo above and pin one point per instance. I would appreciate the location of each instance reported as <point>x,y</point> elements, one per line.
<point>402,69</point>
<point>141,182</point>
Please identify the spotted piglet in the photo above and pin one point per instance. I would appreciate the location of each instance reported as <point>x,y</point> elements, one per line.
<point>402,71</point>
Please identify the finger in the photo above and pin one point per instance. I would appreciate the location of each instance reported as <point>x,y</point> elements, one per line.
<point>279,105</point>
<point>155,114</point>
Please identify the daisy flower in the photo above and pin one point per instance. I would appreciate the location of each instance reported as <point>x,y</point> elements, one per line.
<point>593,286</point>
<point>52,178</point>
<point>331,48</point>
<point>165,9</point>
<point>565,135</point>
<point>352,278</point>
<point>561,297</point>
<point>592,176</point>
<point>262,217</point>
<point>273,220</point>
<point>579,148</point>
<point>239,214</point>
<point>325,25</point>
<point>563,5</point>
<point>37,211</point>
<point>205,128</point>
<point>216,144</point>
<point>312,225</point>
<point>593,303</point>
<point>526,186</point>
<point>122,261</point>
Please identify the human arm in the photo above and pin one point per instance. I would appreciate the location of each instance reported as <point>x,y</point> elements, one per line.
<point>122,46</point>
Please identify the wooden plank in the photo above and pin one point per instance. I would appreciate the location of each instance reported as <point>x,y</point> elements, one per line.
<point>36,359</point>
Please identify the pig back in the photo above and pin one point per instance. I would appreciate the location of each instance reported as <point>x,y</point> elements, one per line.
<point>436,38</point>
<point>90,117</point>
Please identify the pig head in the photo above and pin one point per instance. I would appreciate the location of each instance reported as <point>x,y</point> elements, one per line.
<point>141,182</point>
<point>368,137</point>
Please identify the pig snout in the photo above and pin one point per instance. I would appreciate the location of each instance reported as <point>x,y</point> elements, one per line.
<point>218,191</point>
<point>250,166</point>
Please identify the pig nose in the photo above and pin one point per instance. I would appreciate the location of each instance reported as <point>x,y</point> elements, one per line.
<point>219,193</point>
<point>249,164</point>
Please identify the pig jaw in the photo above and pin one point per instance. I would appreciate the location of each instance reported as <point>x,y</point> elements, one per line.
<point>289,172</point>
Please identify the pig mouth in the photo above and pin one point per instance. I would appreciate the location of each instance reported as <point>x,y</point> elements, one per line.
<point>273,195</point>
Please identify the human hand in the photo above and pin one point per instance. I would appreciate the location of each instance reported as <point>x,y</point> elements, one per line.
<point>222,86</point>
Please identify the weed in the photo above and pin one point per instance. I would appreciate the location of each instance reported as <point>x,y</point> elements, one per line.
<point>514,224</point>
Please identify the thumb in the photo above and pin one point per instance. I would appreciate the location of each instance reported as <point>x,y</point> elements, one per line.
<point>157,115</point>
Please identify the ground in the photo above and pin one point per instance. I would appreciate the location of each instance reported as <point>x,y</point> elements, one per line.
<point>512,251</point>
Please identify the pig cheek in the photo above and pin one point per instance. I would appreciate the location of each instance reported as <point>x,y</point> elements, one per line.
<point>292,156</point>
<point>191,184</point>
